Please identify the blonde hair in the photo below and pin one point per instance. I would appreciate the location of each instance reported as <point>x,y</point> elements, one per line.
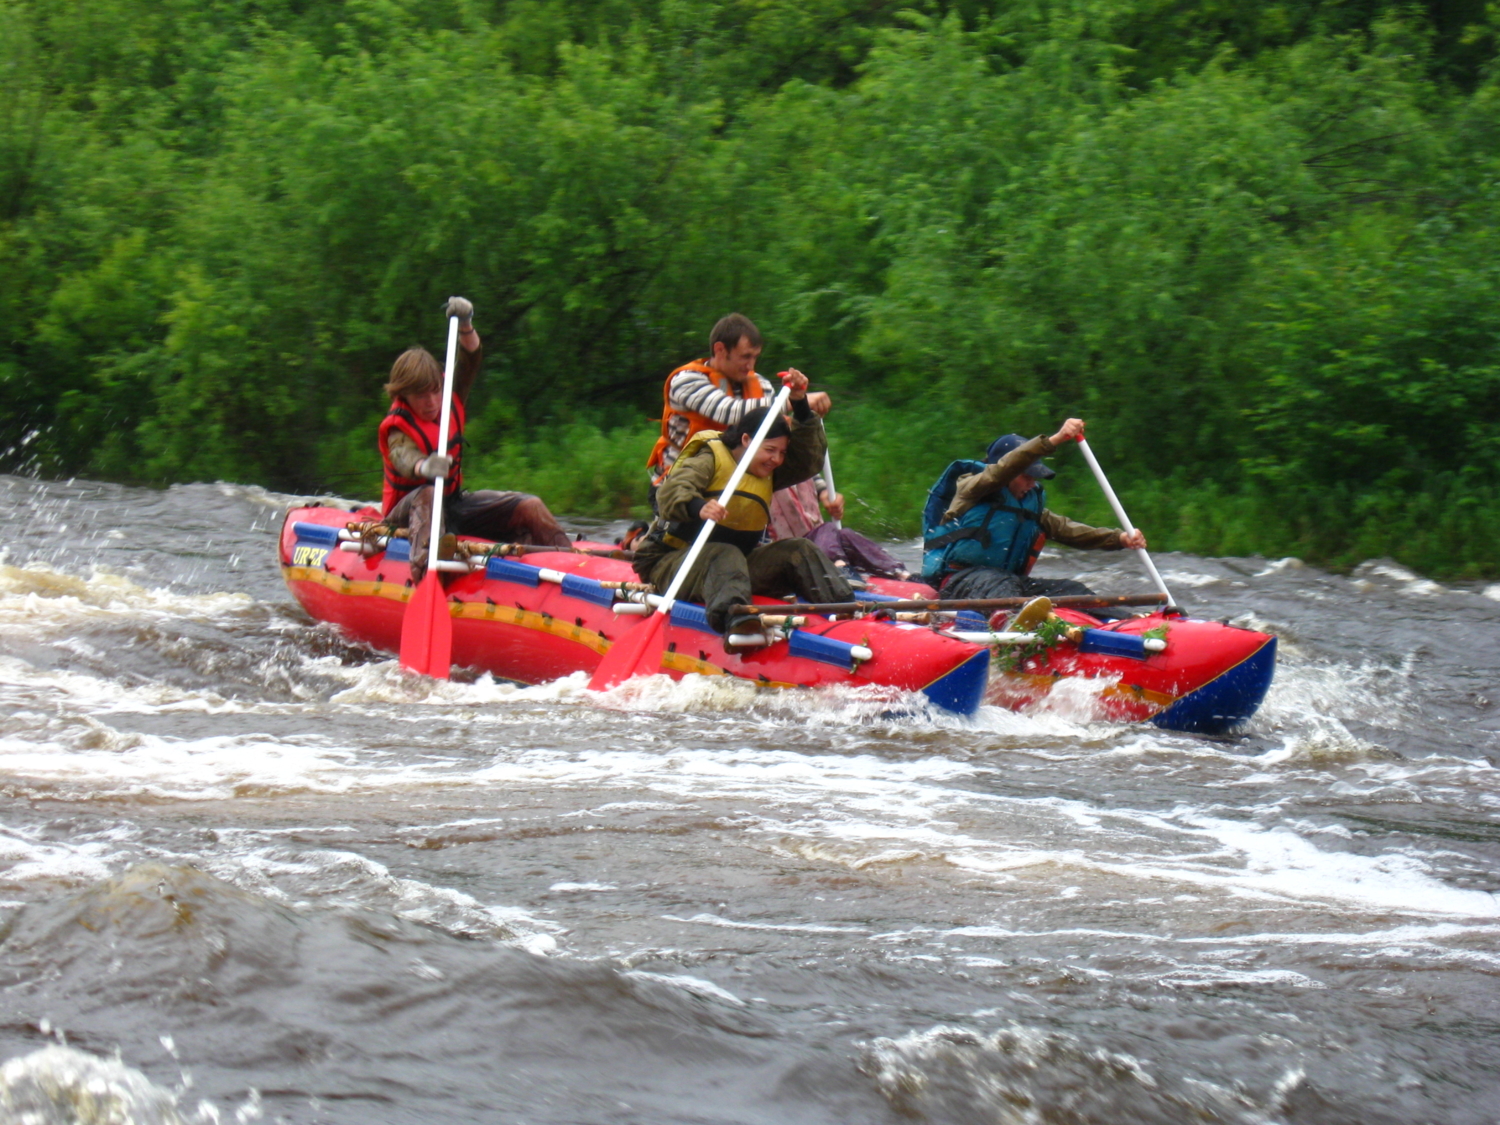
<point>415,372</point>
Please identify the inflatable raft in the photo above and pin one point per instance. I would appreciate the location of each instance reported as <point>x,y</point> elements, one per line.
<point>547,614</point>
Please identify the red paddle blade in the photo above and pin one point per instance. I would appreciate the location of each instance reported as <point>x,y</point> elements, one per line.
<point>637,653</point>
<point>427,631</point>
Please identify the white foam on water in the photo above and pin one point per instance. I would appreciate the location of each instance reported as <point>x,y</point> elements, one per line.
<point>58,1085</point>
<point>661,693</point>
<point>24,859</point>
<point>329,877</point>
<point>1313,702</point>
<point>872,808</point>
<point>696,986</point>
<point>38,594</point>
<point>386,684</point>
<point>1280,566</point>
<point>769,775</point>
<point>85,695</point>
<point>1021,1075</point>
<point>1072,703</point>
<point>203,769</point>
<point>704,919</point>
<point>827,706</point>
<point>1218,977</point>
<point>1493,592</point>
<point>1277,863</point>
<point>1410,582</point>
<point>1189,579</point>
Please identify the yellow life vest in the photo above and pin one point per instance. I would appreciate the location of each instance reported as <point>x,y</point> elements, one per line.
<point>749,507</point>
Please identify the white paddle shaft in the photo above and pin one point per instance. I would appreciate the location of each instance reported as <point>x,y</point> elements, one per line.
<point>436,531</point>
<point>777,406</point>
<point>828,484</point>
<point>1114,502</point>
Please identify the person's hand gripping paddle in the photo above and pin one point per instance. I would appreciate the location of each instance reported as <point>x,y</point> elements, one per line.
<point>638,653</point>
<point>427,628</point>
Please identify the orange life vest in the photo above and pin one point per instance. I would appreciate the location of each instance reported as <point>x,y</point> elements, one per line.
<point>696,422</point>
<point>425,434</point>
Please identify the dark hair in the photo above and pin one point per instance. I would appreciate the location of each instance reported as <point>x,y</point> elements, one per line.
<point>731,330</point>
<point>747,426</point>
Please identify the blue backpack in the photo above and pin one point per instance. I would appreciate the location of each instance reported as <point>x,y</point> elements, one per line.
<point>1001,531</point>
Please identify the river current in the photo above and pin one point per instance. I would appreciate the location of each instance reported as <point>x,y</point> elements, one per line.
<point>250,871</point>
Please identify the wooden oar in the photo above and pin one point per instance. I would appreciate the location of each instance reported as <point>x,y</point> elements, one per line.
<point>427,628</point>
<point>638,653</point>
<point>1114,502</point>
<point>1072,601</point>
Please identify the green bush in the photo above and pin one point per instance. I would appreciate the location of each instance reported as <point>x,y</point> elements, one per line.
<point>1256,246</point>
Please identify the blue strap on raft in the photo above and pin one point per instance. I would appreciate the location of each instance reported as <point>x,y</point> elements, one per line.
<point>507,570</point>
<point>1113,644</point>
<point>825,650</point>
<point>692,616</point>
<point>319,533</point>
<point>587,589</point>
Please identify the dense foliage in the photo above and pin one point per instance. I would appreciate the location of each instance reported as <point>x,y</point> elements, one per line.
<point>1257,246</point>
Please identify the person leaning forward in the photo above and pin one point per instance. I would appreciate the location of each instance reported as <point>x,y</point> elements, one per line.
<point>985,541</point>
<point>714,393</point>
<point>734,564</point>
<point>412,461</point>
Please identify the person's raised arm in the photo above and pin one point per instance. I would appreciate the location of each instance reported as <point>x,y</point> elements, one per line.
<point>470,351</point>
<point>809,441</point>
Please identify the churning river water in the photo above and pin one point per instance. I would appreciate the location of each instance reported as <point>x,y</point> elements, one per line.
<point>250,871</point>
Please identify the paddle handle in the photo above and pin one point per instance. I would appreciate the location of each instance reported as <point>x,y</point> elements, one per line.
<point>777,406</point>
<point>1114,502</point>
<point>442,447</point>
<point>828,484</point>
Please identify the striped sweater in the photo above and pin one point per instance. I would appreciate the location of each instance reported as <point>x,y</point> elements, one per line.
<point>691,391</point>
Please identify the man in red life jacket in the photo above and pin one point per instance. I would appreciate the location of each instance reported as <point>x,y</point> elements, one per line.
<point>408,450</point>
<point>714,393</point>
<point>983,544</point>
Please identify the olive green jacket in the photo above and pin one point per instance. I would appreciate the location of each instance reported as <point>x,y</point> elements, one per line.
<point>686,488</point>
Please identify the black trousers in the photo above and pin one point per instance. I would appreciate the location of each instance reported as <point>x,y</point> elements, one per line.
<point>992,582</point>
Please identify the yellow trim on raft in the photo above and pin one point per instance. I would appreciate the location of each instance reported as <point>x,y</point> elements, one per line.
<point>320,577</point>
<point>478,611</point>
<point>676,662</point>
